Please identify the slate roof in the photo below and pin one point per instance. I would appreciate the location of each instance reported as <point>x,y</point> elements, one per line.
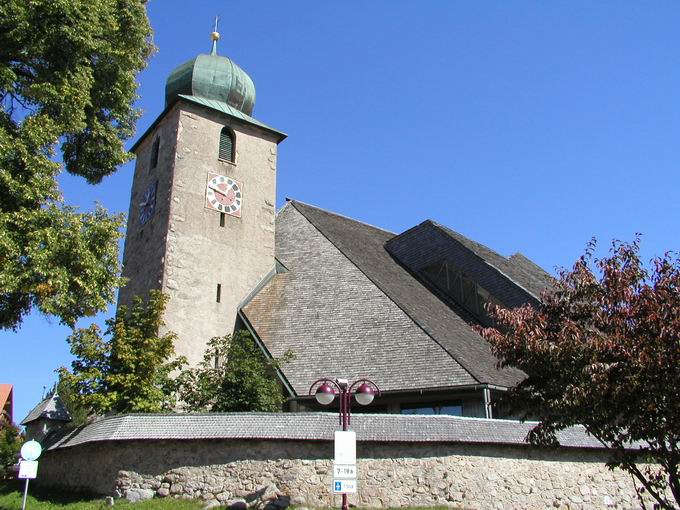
<point>337,321</point>
<point>278,312</point>
<point>311,427</point>
<point>50,408</point>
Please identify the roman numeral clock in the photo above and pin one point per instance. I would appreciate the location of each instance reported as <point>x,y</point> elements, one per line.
<point>224,194</point>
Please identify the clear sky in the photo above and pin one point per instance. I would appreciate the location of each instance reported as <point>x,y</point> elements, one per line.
<point>527,126</point>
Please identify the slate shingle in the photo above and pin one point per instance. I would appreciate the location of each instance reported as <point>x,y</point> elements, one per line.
<point>365,247</point>
<point>311,427</point>
<point>351,302</point>
<point>50,408</point>
<point>338,322</point>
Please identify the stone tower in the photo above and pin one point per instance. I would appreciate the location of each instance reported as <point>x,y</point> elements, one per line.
<point>201,218</point>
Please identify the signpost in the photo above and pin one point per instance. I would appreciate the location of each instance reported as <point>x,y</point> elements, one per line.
<point>28,466</point>
<point>345,462</point>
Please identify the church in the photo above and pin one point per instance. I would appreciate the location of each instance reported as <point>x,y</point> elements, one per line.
<point>349,299</point>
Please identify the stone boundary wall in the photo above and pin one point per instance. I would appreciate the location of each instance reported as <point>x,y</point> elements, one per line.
<point>390,474</point>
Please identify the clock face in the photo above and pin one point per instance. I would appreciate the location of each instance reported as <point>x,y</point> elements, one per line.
<point>148,204</point>
<point>224,194</point>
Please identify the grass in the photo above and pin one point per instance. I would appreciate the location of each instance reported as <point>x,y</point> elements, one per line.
<point>11,494</point>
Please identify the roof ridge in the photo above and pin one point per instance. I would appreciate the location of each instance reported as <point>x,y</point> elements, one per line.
<point>294,201</point>
<point>448,229</point>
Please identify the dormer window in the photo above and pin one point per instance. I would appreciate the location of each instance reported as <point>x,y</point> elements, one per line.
<point>226,145</point>
<point>153,163</point>
<point>461,289</point>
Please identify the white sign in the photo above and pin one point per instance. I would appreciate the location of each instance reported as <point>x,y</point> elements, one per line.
<point>28,469</point>
<point>344,486</point>
<point>345,471</point>
<point>345,447</point>
<point>31,450</point>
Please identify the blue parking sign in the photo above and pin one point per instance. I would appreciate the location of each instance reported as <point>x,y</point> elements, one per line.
<point>344,486</point>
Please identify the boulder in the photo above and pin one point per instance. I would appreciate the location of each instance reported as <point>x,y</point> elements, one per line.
<point>134,495</point>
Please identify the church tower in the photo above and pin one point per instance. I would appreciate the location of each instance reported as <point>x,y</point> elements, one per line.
<point>201,218</point>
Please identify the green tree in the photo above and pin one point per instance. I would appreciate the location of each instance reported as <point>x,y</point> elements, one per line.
<point>131,370</point>
<point>67,80</point>
<point>234,376</point>
<point>603,350</point>
<point>10,443</point>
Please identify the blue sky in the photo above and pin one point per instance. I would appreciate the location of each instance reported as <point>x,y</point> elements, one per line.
<point>527,126</point>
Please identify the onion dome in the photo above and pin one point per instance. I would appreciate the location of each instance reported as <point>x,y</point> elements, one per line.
<point>212,77</point>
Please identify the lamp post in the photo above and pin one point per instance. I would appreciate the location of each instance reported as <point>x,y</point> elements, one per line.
<point>324,390</point>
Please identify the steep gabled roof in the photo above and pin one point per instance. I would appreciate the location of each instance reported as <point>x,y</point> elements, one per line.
<point>337,321</point>
<point>366,249</point>
<point>50,408</point>
<point>395,317</point>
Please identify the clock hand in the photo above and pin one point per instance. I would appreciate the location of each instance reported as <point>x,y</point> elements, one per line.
<point>217,190</point>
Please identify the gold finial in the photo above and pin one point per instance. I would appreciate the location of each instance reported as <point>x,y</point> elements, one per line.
<point>215,36</point>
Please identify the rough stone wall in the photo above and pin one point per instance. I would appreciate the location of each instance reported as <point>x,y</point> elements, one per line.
<point>392,474</point>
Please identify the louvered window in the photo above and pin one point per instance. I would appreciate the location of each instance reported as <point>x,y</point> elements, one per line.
<point>461,288</point>
<point>226,145</point>
<point>154,153</point>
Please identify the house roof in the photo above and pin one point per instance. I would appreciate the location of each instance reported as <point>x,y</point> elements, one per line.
<point>6,399</point>
<point>336,321</point>
<point>50,408</point>
<point>326,315</point>
<point>310,427</point>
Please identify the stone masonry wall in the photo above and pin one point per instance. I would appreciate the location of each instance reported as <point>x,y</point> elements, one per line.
<point>390,474</point>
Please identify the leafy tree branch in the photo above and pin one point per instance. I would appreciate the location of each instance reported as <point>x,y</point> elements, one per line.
<point>234,376</point>
<point>67,81</point>
<point>131,370</point>
<point>603,350</point>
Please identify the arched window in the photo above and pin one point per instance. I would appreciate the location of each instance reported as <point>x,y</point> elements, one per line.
<point>226,145</point>
<point>154,153</point>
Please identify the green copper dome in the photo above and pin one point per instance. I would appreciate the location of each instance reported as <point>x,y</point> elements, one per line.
<point>212,77</point>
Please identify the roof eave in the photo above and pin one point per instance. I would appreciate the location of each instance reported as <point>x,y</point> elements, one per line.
<point>280,136</point>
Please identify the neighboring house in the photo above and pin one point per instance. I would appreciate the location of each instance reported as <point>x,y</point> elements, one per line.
<point>48,416</point>
<point>7,402</point>
<point>350,300</point>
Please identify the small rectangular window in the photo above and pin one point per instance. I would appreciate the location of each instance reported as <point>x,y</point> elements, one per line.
<point>222,216</point>
<point>154,153</point>
<point>219,292</point>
